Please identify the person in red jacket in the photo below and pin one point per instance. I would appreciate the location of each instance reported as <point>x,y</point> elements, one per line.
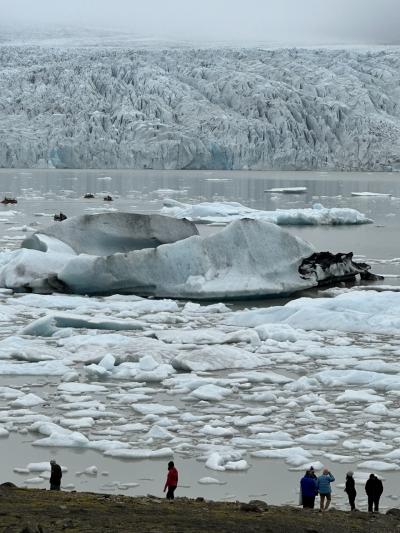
<point>172,480</point>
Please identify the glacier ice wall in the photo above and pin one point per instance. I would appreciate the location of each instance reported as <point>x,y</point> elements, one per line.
<point>199,108</point>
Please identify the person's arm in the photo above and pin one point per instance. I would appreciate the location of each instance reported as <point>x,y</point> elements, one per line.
<point>331,478</point>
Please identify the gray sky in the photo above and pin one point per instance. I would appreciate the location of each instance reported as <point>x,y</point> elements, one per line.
<point>294,21</point>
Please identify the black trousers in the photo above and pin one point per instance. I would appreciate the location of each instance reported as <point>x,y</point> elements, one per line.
<point>308,502</point>
<point>352,500</point>
<point>373,501</point>
<point>170,493</point>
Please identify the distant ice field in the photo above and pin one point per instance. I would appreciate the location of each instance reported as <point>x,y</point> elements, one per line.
<point>243,394</point>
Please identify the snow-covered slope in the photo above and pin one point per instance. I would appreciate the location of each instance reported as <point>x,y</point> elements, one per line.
<point>199,108</point>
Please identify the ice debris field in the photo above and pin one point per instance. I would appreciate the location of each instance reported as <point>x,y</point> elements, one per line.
<point>315,380</point>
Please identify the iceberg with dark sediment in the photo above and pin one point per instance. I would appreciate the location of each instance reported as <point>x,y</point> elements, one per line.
<point>154,255</point>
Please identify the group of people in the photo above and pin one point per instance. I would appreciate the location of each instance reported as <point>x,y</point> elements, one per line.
<point>311,485</point>
<point>170,484</point>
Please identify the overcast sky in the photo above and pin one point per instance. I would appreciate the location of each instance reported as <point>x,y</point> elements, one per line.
<point>307,21</point>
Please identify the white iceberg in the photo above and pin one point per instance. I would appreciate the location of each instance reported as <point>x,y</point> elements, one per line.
<point>225,212</point>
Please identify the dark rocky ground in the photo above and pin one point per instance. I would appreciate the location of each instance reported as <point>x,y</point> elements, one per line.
<point>42,511</point>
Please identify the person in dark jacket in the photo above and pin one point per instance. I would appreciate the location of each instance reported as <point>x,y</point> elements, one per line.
<point>374,489</point>
<point>172,481</point>
<point>350,489</point>
<point>308,487</point>
<point>56,475</point>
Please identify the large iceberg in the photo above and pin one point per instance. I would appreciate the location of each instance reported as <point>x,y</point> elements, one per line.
<point>247,258</point>
<point>125,253</point>
<point>183,108</point>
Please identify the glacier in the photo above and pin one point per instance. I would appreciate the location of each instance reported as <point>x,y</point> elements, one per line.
<point>199,108</point>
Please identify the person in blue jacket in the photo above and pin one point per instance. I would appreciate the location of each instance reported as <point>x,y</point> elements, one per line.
<point>324,488</point>
<point>308,487</point>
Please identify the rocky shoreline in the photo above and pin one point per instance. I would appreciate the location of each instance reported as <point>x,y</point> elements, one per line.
<point>42,511</point>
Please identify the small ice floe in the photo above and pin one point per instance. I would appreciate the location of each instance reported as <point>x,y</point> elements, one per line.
<point>381,466</point>
<point>226,461</point>
<point>288,190</point>
<point>34,481</point>
<point>210,392</point>
<point>89,471</point>
<point>29,400</point>
<point>368,194</point>
<point>210,481</point>
<point>136,453</point>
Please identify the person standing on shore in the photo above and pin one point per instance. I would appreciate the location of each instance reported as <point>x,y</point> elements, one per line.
<point>56,475</point>
<point>350,489</point>
<point>324,488</point>
<point>374,489</point>
<point>172,481</point>
<point>308,488</point>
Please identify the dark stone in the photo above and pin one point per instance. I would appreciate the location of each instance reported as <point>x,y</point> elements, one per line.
<point>328,263</point>
<point>250,508</point>
<point>60,217</point>
<point>260,503</point>
<point>394,512</point>
<point>8,485</point>
<point>200,499</point>
<point>108,198</point>
<point>88,195</point>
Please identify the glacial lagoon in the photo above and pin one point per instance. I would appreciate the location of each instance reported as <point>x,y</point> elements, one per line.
<point>289,404</point>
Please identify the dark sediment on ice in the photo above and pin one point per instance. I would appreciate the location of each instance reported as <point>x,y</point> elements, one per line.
<point>32,511</point>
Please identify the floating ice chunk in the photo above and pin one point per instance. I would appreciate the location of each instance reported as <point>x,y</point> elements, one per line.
<point>157,432</point>
<point>216,358</point>
<point>48,325</point>
<point>381,466</point>
<point>230,211</point>
<point>377,409</point>
<point>8,393</point>
<point>73,439</point>
<point>34,481</point>
<point>147,363</point>
<point>4,432</point>
<point>90,471</point>
<point>373,194</point>
<point>288,190</point>
<point>359,396</point>
<point>295,456</point>
<point>135,453</point>
<point>154,409</point>
<point>210,481</point>
<point>80,388</point>
<point>323,438</point>
<point>42,467</point>
<point>262,377</point>
<point>366,445</point>
<point>217,431</point>
<point>218,461</point>
<point>29,400</point>
<point>210,392</point>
